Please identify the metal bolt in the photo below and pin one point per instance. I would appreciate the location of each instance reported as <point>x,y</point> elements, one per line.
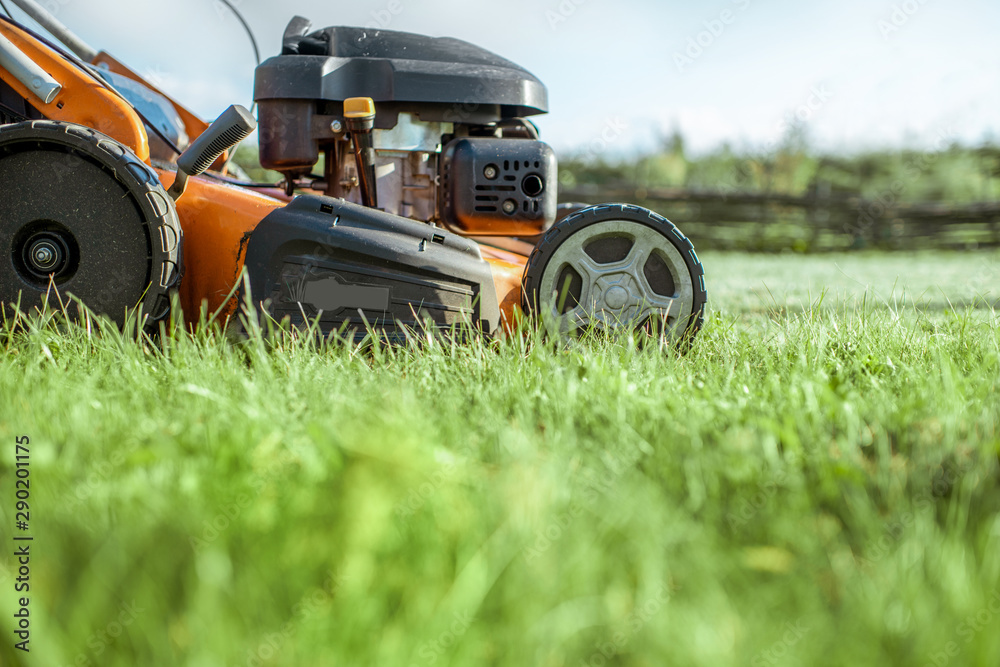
<point>44,255</point>
<point>509,206</point>
<point>490,172</point>
<point>337,127</point>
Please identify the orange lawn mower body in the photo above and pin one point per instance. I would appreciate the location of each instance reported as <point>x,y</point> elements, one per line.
<point>435,204</point>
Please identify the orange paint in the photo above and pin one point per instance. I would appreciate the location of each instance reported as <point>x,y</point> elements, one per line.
<point>216,219</point>
<point>82,100</point>
<point>507,281</point>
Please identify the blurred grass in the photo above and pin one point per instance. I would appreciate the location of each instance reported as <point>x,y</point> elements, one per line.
<point>945,171</point>
<point>815,482</point>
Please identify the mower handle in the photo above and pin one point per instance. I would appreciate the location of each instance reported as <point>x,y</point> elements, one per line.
<point>45,19</point>
<point>233,126</point>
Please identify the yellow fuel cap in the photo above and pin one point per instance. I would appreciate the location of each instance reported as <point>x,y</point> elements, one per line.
<point>359,107</point>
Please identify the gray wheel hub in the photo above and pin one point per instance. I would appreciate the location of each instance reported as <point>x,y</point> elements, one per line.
<point>618,294</point>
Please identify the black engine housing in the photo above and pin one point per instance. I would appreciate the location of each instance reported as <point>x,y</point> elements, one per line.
<point>427,74</point>
<point>359,265</point>
<point>504,186</point>
<point>301,92</point>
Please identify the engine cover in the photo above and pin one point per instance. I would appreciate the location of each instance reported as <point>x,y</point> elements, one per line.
<point>426,74</point>
<point>441,80</point>
<point>499,187</point>
<point>349,265</point>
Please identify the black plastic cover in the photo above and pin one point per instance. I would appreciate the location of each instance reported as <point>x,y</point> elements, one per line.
<point>499,187</point>
<point>14,108</point>
<point>432,73</point>
<point>349,265</point>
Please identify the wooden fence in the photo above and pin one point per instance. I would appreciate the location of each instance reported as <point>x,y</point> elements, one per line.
<point>774,222</point>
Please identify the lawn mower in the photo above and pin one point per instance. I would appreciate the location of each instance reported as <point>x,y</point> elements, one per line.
<point>415,193</point>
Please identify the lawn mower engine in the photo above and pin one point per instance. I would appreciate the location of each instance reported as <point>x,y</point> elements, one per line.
<point>436,130</point>
<point>450,143</point>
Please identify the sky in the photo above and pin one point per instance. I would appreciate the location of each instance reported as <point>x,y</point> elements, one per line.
<point>623,75</point>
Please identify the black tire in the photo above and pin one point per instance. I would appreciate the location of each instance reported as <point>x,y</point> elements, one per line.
<point>567,209</point>
<point>81,208</point>
<point>562,211</point>
<point>667,276</point>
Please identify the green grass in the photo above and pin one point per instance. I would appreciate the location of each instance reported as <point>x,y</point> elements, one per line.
<point>815,482</point>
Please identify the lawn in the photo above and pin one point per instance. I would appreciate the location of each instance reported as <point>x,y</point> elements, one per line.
<point>815,482</point>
